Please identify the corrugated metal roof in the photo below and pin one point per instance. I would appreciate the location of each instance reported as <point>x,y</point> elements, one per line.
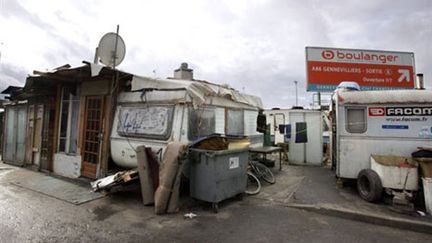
<point>11,90</point>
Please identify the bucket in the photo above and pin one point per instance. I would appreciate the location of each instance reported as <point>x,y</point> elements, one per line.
<point>427,189</point>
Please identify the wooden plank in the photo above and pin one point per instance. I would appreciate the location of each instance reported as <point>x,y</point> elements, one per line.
<point>80,139</point>
<point>147,189</point>
<point>130,175</point>
<point>56,125</point>
<point>100,87</point>
<point>37,137</point>
<point>30,134</point>
<point>50,119</point>
<point>89,170</point>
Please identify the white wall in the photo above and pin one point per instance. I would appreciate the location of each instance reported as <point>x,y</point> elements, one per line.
<point>310,153</point>
<point>67,165</point>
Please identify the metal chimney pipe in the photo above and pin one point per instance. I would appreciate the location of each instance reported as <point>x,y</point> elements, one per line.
<point>96,56</point>
<point>420,83</point>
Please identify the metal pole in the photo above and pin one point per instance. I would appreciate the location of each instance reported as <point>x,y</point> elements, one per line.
<point>1,48</point>
<point>115,48</point>
<point>295,82</point>
<point>112,103</point>
<point>96,56</point>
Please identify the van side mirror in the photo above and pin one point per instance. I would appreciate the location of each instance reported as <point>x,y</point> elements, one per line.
<point>261,123</point>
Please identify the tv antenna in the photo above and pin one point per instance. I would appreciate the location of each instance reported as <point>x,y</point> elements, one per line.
<point>111,49</point>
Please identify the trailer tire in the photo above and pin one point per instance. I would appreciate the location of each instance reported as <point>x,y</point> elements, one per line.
<point>369,185</point>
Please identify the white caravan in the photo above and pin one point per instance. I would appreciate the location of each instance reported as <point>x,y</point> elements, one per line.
<point>366,123</point>
<point>158,111</point>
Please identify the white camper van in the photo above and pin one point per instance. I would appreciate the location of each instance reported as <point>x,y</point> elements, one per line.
<point>366,123</point>
<point>158,111</point>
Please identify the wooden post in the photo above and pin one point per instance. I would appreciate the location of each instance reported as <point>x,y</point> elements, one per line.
<point>56,127</point>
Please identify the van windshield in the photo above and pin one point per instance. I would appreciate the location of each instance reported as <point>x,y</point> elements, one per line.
<point>154,121</point>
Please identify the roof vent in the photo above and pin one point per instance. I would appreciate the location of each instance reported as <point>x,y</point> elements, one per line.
<point>184,72</point>
<point>420,82</point>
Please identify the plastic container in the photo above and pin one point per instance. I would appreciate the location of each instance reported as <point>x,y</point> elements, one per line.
<point>396,172</point>
<point>425,166</point>
<point>427,190</point>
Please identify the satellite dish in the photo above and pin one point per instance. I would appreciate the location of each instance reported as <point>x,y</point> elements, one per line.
<point>108,53</point>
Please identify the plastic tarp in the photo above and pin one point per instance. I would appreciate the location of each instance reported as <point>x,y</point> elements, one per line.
<point>199,91</point>
<point>384,97</point>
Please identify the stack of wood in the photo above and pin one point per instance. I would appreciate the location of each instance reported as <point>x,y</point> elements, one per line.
<point>118,178</point>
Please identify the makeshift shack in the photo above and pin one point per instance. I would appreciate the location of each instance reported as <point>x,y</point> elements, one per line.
<point>302,130</point>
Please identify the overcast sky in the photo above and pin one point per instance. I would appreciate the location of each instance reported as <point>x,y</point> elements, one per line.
<point>257,46</point>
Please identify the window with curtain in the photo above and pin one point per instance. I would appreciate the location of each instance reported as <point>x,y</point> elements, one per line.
<point>67,141</point>
<point>202,122</point>
<point>356,120</point>
<point>234,122</point>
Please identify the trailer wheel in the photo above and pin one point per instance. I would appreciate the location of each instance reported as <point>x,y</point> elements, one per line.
<point>369,185</point>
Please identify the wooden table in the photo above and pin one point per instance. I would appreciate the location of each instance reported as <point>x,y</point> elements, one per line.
<point>268,150</point>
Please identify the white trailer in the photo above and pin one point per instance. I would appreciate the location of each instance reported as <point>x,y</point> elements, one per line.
<point>158,111</point>
<point>308,151</point>
<point>366,123</point>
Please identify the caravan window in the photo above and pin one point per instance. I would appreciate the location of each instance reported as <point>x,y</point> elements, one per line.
<point>356,119</point>
<point>153,121</point>
<point>279,119</point>
<point>234,122</point>
<point>202,122</point>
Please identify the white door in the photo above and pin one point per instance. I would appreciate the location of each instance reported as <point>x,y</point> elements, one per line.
<point>314,146</point>
<point>296,152</point>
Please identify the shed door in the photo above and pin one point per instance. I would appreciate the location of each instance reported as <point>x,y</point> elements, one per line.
<point>15,134</point>
<point>296,149</point>
<point>93,123</point>
<point>314,146</point>
<point>37,138</point>
<point>30,134</point>
<point>47,137</point>
<point>9,134</point>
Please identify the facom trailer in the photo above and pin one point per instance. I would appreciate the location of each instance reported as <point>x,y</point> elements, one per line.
<point>383,123</point>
